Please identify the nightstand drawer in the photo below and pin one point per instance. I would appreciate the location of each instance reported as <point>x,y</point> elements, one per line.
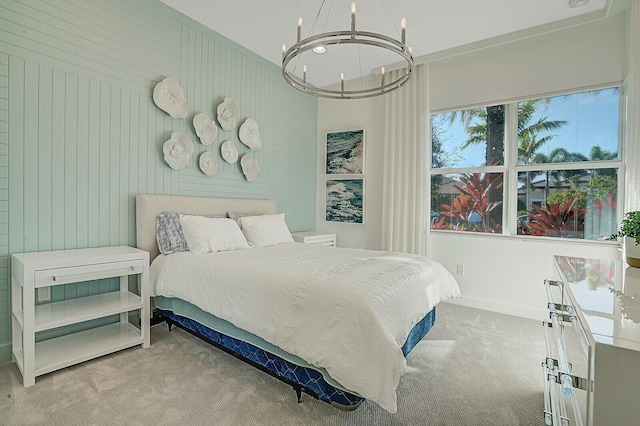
<point>57,276</point>
<point>323,240</point>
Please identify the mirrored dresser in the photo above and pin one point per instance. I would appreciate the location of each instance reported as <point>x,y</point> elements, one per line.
<point>592,367</point>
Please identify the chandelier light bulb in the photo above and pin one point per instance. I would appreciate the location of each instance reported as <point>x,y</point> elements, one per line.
<point>299,32</point>
<point>403,25</point>
<point>353,16</point>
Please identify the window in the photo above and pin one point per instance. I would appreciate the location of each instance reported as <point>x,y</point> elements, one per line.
<point>554,161</point>
<point>468,165</point>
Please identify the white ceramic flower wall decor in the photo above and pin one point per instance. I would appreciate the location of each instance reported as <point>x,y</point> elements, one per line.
<point>228,113</point>
<point>206,129</point>
<point>229,152</point>
<point>208,163</point>
<point>250,167</point>
<point>250,134</point>
<point>177,150</point>
<point>168,95</point>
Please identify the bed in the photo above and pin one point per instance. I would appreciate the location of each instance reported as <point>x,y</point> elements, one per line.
<point>333,323</point>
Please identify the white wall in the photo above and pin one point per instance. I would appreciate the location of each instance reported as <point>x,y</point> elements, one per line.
<point>580,57</point>
<point>506,274</point>
<point>502,273</point>
<point>336,115</point>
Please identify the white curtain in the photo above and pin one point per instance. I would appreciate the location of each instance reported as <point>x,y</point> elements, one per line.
<point>632,140</point>
<point>405,189</point>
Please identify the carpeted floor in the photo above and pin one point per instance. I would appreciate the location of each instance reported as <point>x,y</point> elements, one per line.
<point>473,368</point>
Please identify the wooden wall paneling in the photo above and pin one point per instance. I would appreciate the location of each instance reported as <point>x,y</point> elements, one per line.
<point>124,141</point>
<point>134,163</point>
<point>80,134</point>
<point>4,197</point>
<point>93,195</point>
<point>142,145</point>
<point>30,160</point>
<point>153,145</point>
<point>114,166</point>
<point>71,164</point>
<point>103,142</point>
<point>38,40</point>
<point>57,160</point>
<point>42,166</point>
<point>83,166</point>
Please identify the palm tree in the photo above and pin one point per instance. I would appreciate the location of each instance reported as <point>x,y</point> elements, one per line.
<point>489,129</point>
<point>529,141</point>
<point>491,119</point>
<point>598,154</point>
<point>559,155</point>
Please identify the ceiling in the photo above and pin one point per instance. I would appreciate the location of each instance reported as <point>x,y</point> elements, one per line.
<point>263,26</point>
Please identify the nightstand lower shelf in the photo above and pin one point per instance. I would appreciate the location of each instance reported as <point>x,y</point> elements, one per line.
<point>61,352</point>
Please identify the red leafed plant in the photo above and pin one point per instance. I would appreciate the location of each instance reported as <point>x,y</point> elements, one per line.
<point>441,224</point>
<point>479,186</point>
<point>557,220</point>
<point>462,209</point>
<point>474,198</point>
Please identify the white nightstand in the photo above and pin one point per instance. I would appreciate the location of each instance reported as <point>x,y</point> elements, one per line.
<point>315,238</point>
<point>30,271</point>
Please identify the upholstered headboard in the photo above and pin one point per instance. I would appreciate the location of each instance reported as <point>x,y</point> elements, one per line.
<point>149,206</point>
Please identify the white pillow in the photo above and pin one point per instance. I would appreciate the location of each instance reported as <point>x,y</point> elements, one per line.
<point>265,230</point>
<point>206,234</point>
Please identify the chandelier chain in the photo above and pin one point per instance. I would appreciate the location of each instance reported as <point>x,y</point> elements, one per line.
<point>393,25</point>
<point>313,26</point>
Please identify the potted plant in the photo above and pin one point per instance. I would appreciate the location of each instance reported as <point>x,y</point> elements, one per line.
<point>630,230</point>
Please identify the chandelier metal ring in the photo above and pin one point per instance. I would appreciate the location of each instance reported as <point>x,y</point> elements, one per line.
<point>347,37</point>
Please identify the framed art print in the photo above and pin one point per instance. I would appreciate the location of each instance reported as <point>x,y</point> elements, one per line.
<point>345,200</point>
<point>345,153</point>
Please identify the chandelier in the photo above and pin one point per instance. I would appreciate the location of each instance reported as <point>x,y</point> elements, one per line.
<point>376,44</point>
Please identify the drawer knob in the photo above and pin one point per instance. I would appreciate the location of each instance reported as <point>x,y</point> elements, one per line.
<point>53,277</point>
<point>133,268</point>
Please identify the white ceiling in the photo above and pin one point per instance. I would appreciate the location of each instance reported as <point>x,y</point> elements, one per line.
<point>262,26</point>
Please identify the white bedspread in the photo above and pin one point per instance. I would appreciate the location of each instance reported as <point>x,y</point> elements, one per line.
<point>348,311</point>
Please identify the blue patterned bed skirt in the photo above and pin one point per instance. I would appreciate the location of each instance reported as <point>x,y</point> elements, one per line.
<point>302,378</point>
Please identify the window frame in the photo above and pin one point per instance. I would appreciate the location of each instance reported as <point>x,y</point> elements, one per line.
<point>511,168</point>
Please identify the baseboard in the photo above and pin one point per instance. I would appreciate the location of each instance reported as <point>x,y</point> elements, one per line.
<point>5,351</point>
<point>493,306</point>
